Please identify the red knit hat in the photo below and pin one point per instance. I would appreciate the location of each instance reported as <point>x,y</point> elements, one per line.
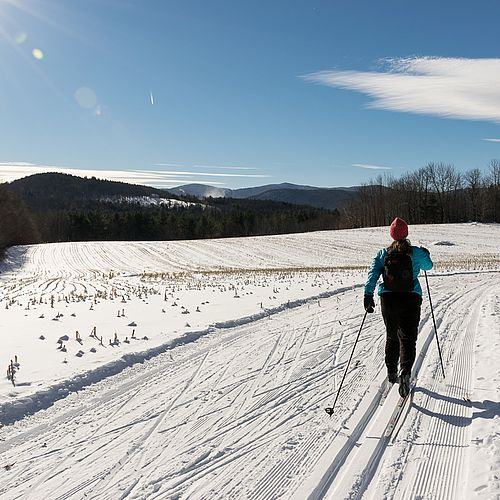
<point>399,229</point>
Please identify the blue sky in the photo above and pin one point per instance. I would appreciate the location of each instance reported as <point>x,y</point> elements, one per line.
<point>236,94</point>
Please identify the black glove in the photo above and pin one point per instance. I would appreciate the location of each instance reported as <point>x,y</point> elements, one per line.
<point>425,250</point>
<point>369,303</point>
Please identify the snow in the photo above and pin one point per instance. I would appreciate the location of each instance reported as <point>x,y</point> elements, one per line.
<point>237,347</point>
<point>147,201</point>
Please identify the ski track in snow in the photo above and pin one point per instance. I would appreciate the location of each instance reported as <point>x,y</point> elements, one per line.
<point>239,413</point>
<point>439,448</point>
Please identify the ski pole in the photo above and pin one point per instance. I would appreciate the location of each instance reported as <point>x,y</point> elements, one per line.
<point>329,410</point>
<point>434,321</point>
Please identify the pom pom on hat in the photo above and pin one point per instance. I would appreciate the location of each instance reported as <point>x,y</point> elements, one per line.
<point>399,229</point>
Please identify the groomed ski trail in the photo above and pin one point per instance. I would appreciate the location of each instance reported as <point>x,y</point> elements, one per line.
<point>253,424</point>
<point>254,412</point>
<point>363,463</point>
<point>433,449</point>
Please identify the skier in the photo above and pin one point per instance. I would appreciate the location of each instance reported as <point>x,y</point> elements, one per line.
<point>400,299</point>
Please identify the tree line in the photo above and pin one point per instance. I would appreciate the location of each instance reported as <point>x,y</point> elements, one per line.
<point>434,194</point>
<point>215,218</point>
<point>17,226</point>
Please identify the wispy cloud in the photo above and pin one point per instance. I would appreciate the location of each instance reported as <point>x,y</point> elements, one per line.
<point>172,165</point>
<point>492,140</point>
<point>10,171</point>
<point>460,88</point>
<point>216,167</point>
<point>225,168</point>
<point>187,173</point>
<point>371,167</point>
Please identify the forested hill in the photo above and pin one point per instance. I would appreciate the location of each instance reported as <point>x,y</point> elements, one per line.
<point>62,207</point>
<point>17,226</point>
<point>56,190</point>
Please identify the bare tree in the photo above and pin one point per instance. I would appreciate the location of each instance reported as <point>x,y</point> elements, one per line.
<point>445,182</point>
<point>435,193</point>
<point>474,186</point>
<point>494,190</point>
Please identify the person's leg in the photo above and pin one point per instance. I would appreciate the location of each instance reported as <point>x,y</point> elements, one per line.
<point>409,321</point>
<point>391,320</point>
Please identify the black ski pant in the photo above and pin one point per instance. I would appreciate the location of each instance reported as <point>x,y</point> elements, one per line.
<point>401,313</point>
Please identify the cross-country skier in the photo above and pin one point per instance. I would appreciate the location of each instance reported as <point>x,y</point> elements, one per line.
<point>400,299</point>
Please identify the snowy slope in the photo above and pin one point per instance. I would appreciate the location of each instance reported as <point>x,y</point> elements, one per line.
<point>147,201</point>
<point>228,402</point>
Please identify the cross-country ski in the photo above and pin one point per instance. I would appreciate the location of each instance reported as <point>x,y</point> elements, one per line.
<point>401,407</point>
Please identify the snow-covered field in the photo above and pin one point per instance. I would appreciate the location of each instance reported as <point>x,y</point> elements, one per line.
<point>201,369</point>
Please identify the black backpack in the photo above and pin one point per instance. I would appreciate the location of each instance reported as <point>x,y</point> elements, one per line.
<point>398,272</point>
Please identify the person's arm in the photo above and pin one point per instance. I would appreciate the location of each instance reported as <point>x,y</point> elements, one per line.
<point>424,258</point>
<point>374,273</point>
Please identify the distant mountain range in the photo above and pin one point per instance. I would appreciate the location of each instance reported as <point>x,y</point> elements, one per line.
<point>56,190</point>
<point>63,207</point>
<point>297,194</point>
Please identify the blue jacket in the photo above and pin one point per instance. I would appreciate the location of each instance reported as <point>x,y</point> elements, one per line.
<point>420,260</point>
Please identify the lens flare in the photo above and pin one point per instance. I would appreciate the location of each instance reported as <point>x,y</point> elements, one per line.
<point>37,54</point>
<point>21,37</point>
<point>86,98</point>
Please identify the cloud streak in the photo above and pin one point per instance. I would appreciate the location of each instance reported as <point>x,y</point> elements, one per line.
<point>458,88</point>
<point>186,173</point>
<point>492,140</point>
<point>371,167</point>
<point>10,171</point>
<point>177,165</point>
